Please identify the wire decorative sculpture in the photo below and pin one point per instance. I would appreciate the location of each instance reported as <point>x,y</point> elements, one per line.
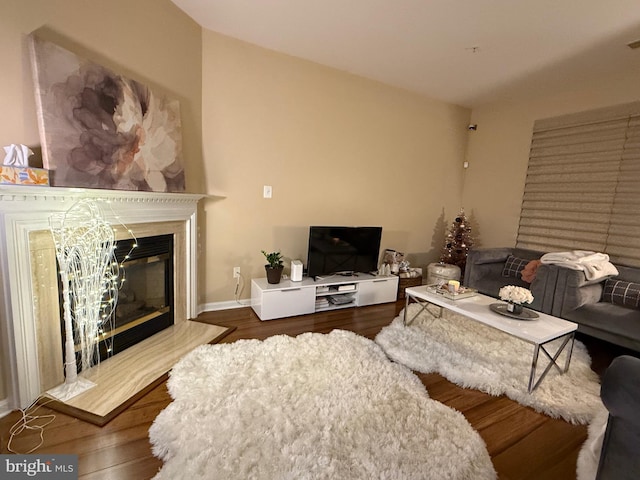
<point>89,274</point>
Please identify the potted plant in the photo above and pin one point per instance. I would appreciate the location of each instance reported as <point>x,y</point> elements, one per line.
<point>274,267</point>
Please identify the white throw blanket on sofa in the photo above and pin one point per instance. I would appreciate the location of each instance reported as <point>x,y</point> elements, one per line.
<point>595,266</point>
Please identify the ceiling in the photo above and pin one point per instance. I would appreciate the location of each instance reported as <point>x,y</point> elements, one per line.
<point>460,51</point>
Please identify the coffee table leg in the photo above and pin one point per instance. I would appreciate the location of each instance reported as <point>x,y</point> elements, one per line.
<point>569,353</point>
<point>534,363</point>
<point>406,307</point>
<point>423,308</point>
<point>553,361</point>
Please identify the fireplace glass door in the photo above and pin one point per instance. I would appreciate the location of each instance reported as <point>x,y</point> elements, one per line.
<point>145,299</point>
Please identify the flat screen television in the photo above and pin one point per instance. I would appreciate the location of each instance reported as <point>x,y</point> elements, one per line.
<point>343,250</point>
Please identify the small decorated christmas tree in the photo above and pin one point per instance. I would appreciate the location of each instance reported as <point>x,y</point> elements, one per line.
<point>457,242</point>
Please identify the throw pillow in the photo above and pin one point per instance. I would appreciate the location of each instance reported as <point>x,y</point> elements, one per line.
<point>513,266</point>
<point>620,292</point>
<point>530,270</point>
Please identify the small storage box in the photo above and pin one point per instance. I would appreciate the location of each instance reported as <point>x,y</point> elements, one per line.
<point>408,282</point>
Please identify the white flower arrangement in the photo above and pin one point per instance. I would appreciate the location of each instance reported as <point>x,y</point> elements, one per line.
<point>514,294</point>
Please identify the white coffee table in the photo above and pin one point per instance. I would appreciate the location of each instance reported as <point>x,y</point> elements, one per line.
<point>539,332</point>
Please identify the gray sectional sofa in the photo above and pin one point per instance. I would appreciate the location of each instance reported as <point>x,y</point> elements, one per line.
<point>620,392</point>
<point>565,293</point>
<point>585,303</point>
<point>486,271</point>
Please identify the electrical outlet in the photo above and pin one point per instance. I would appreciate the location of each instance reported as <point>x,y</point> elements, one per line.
<point>236,272</point>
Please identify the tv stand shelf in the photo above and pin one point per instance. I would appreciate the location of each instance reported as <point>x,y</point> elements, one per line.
<point>287,298</point>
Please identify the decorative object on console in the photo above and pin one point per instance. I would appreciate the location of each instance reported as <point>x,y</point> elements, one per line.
<point>384,270</point>
<point>457,243</point>
<point>394,260</point>
<point>409,277</point>
<point>296,271</point>
<point>100,129</point>
<point>274,267</point>
<point>515,297</point>
<point>403,266</point>
<point>410,272</point>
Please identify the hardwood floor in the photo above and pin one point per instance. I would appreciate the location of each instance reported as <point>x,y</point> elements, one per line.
<point>523,444</point>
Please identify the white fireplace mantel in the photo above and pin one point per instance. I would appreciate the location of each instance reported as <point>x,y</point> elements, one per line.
<point>27,209</point>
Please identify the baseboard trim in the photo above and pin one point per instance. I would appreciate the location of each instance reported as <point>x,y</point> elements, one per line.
<point>4,407</point>
<point>228,305</point>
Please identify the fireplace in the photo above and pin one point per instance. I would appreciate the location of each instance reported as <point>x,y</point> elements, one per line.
<point>29,302</point>
<point>145,298</point>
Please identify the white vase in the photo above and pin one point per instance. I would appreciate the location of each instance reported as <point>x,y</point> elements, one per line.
<point>514,308</point>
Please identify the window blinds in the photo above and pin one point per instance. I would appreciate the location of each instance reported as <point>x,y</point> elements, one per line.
<point>582,190</point>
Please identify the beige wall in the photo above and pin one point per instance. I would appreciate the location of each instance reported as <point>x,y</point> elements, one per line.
<point>336,148</point>
<point>148,40</point>
<point>498,152</point>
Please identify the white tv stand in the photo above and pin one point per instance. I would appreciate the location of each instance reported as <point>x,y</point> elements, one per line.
<point>288,298</point>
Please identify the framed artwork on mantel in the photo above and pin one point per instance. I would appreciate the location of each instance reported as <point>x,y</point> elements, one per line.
<point>100,129</point>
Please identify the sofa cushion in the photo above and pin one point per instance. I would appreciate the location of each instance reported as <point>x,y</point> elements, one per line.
<point>621,292</point>
<point>483,256</point>
<point>513,266</point>
<point>613,323</point>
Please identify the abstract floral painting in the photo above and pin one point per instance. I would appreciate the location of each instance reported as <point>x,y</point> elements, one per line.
<point>100,129</point>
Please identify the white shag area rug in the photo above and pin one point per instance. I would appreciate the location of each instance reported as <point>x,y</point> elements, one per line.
<point>589,456</point>
<point>309,407</point>
<point>473,355</point>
